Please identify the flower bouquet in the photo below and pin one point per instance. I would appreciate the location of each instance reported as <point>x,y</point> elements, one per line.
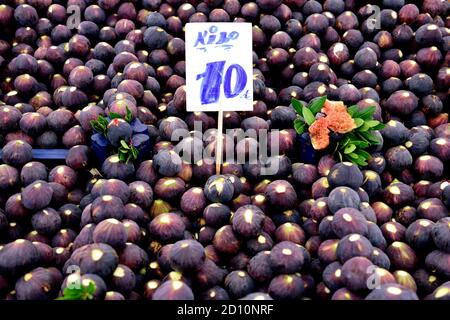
<point>326,125</point>
<point>124,136</point>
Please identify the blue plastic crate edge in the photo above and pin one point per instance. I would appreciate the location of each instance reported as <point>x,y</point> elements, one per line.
<point>47,154</point>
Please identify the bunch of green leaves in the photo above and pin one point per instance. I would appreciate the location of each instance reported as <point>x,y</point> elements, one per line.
<point>101,123</point>
<point>128,116</point>
<point>353,145</point>
<point>127,152</point>
<point>80,292</point>
<point>306,115</point>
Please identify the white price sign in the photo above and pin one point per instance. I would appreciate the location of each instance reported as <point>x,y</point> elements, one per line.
<point>219,66</point>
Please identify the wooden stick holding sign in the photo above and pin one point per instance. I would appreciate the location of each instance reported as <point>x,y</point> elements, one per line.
<point>219,142</point>
<point>219,71</point>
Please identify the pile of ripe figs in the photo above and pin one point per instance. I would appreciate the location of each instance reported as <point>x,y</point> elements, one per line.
<point>166,228</point>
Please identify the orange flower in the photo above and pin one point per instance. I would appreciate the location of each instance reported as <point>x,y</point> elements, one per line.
<point>333,106</point>
<point>319,133</point>
<point>340,122</point>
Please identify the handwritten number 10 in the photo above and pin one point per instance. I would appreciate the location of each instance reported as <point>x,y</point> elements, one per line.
<point>212,81</point>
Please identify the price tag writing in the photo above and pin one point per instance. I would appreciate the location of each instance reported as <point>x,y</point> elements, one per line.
<point>219,67</point>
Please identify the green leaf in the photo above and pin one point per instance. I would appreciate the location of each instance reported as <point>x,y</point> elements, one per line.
<point>97,126</point>
<point>372,123</point>
<point>81,293</point>
<point>129,115</point>
<point>114,115</point>
<point>340,156</point>
<point>309,116</point>
<point>364,127</point>
<point>102,120</point>
<point>359,122</point>
<point>360,143</point>
<point>353,110</point>
<point>349,149</point>
<point>317,105</point>
<point>359,161</point>
<point>124,144</point>
<point>367,113</point>
<point>378,127</point>
<point>345,141</point>
<point>363,154</point>
<point>299,126</point>
<point>353,155</point>
<point>369,137</point>
<point>134,153</point>
<point>297,105</point>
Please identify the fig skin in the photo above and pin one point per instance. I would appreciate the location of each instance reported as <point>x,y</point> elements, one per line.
<point>9,177</point>
<point>17,153</point>
<point>173,290</point>
<point>238,283</point>
<point>186,255</point>
<point>37,195</point>
<point>247,221</point>
<point>98,258</point>
<point>345,174</point>
<point>440,234</point>
<point>302,233</point>
<point>342,197</point>
<point>110,231</point>
<point>286,287</point>
<point>39,284</point>
<point>354,273</point>
<point>18,257</point>
<point>287,257</point>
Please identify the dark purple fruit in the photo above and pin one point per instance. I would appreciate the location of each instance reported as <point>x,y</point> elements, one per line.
<point>98,258</point>
<point>17,153</point>
<point>281,194</point>
<point>398,194</point>
<point>167,163</point>
<point>286,287</point>
<point>37,195</point>
<point>288,257</point>
<point>9,177</point>
<point>167,227</point>
<point>186,255</point>
<point>219,189</point>
<point>112,232</point>
<point>343,197</point>
<point>440,234</point>
<point>432,209</point>
<point>18,257</point>
<point>353,245</point>
<point>105,207</point>
<point>419,234</point>
<point>173,290</point>
<point>429,167</point>
<point>113,168</point>
<point>247,221</point>
<point>392,292</point>
<point>225,241</point>
<point>216,215</point>
<point>238,284</point>
<point>439,261</point>
<point>63,175</point>
<point>347,221</point>
<point>402,256</point>
<point>39,284</point>
<point>193,201</point>
<point>355,273</point>
<point>46,221</point>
